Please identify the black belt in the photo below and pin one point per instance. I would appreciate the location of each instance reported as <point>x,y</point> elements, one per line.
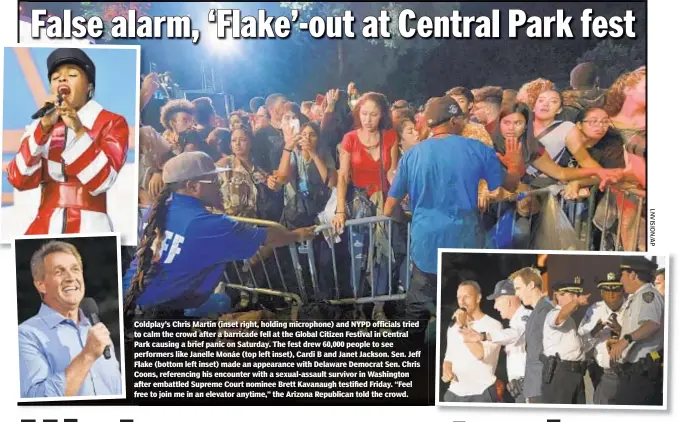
<point>568,365</point>
<point>572,366</point>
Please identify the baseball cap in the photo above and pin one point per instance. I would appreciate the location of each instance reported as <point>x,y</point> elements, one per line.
<point>441,109</point>
<point>502,288</point>
<point>188,166</point>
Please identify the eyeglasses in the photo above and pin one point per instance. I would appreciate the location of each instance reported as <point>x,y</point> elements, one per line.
<point>602,123</point>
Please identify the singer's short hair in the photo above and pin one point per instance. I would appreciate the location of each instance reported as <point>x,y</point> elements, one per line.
<point>53,246</point>
<point>472,283</point>
<point>527,275</point>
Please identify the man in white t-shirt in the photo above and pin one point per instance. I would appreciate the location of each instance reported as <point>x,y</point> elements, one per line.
<point>512,338</point>
<point>470,366</point>
<point>563,354</point>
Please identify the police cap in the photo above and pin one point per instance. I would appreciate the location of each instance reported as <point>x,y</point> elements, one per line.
<point>574,286</point>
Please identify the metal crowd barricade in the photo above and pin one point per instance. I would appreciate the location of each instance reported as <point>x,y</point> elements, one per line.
<point>584,229</point>
<point>631,195</point>
<point>355,284</point>
<point>515,198</point>
<point>252,285</point>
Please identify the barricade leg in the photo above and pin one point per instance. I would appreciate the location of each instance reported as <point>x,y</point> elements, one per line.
<point>604,230</point>
<point>590,219</point>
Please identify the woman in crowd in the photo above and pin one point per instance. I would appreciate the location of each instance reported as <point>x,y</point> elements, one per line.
<point>561,140</point>
<point>193,140</point>
<point>368,159</point>
<point>220,139</point>
<point>626,104</point>
<point>603,145</point>
<point>407,132</point>
<point>247,190</point>
<point>530,91</point>
<point>308,174</point>
<point>237,120</point>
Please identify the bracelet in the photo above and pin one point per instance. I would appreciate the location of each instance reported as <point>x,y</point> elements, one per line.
<point>288,150</point>
<point>339,212</point>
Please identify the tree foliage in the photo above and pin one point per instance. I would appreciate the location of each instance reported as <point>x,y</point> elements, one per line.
<point>614,58</point>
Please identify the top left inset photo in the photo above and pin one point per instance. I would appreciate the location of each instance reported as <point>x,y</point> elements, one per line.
<point>69,131</point>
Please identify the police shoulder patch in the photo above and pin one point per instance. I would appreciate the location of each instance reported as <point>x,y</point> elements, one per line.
<point>648,297</point>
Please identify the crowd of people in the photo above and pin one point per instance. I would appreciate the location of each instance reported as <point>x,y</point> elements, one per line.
<point>619,342</point>
<point>447,166</point>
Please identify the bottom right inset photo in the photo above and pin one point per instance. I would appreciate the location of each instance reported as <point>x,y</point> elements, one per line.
<point>551,329</point>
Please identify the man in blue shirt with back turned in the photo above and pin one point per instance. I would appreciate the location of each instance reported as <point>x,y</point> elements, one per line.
<point>184,249</point>
<point>441,177</point>
<point>60,351</point>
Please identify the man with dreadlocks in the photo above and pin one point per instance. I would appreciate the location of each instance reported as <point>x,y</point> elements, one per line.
<point>184,248</point>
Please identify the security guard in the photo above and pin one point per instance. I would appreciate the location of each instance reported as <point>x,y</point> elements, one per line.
<point>600,324</point>
<point>640,348</point>
<point>563,356</point>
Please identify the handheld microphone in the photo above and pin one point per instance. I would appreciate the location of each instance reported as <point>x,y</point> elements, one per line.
<point>47,108</point>
<point>454,319</point>
<point>91,310</point>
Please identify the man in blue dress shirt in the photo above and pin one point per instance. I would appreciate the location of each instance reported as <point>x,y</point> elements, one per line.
<point>60,351</point>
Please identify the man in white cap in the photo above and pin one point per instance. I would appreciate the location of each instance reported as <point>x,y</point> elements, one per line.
<point>184,249</point>
<point>510,308</point>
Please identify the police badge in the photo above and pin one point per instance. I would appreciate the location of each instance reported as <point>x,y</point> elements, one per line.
<point>648,297</point>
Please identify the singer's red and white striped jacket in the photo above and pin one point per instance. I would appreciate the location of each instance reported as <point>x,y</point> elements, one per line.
<point>73,174</point>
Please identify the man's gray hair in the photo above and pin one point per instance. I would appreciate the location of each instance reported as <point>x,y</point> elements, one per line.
<point>53,246</point>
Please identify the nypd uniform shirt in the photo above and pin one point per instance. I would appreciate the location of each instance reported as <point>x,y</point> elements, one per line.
<point>474,376</point>
<point>195,251</point>
<point>514,340</point>
<point>646,304</point>
<point>595,313</point>
<point>562,339</point>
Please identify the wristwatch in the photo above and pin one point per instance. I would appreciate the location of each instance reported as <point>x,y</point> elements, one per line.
<point>628,338</point>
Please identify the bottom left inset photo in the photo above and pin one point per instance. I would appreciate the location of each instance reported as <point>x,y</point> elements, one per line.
<point>69,317</point>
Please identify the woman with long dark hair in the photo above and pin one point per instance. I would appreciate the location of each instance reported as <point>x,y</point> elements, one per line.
<point>368,160</point>
<point>248,191</point>
<point>515,123</point>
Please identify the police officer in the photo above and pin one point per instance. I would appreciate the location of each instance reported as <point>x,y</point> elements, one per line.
<point>600,324</point>
<point>510,308</point>
<point>528,288</point>
<point>564,357</point>
<point>640,348</point>
<point>660,281</point>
